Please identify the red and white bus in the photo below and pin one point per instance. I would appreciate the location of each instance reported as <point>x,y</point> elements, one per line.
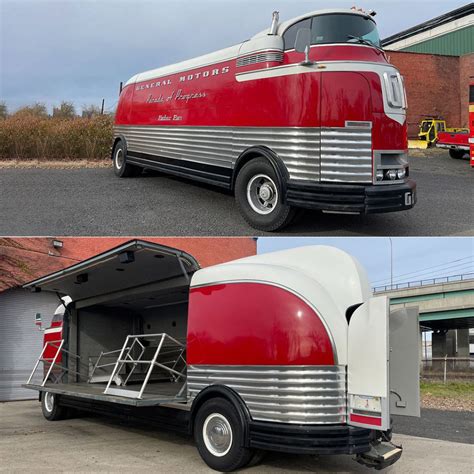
<point>286,351</point>
<point>308,113</point>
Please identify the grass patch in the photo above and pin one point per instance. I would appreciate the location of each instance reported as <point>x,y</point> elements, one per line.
<point>449,390</point>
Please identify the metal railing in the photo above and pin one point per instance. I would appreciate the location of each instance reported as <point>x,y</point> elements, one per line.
<point>125,358</point>
<point>426,282</point>
<point>448,368</point>
<point>52,362</point>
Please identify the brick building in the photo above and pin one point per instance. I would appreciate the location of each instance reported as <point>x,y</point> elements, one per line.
<point>436,59</point>
<point>25,259</point>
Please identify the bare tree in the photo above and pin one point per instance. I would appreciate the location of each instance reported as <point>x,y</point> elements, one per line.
<point>65,111</point>
<point>89,111</point>
<point>3,111</point>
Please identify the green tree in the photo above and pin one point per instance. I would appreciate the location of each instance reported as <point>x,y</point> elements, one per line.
<point>3,111</point>
<point>65,111</point>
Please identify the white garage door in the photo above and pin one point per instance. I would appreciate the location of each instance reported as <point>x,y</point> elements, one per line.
<point>20,340</point>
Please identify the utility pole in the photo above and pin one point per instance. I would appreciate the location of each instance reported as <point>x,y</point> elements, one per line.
<point>391,263</point>
<point>102,108</point>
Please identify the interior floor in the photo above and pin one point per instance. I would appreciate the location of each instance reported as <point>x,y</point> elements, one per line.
<point>156,393</point>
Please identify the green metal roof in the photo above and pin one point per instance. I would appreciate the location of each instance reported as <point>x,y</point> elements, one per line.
<point>454,43</point>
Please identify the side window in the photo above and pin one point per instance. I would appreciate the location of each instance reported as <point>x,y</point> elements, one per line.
<point>471,94</point>
<point>289,36</point>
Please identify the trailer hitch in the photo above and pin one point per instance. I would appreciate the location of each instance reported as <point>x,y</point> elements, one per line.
<point>380,456</point>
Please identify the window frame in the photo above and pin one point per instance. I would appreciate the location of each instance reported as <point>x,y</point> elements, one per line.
<point>311,29</point>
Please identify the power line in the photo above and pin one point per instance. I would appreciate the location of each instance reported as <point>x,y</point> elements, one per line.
<point>426,268</point>
<point>441,270</point>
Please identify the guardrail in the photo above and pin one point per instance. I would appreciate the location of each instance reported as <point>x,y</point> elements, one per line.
<point>418,283</point>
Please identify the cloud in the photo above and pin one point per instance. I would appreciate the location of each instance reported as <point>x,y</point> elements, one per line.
<point>80,51</point>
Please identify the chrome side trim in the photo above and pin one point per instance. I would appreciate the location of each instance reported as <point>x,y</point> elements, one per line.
<point>286,394</point>
<point>346,154</point>
<point>266,57</point>
<point>298,147</point>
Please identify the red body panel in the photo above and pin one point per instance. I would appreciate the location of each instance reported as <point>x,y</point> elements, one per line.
<point>452,138</point>
<point>51,351</point>
<point>254,324</point>
<point>212,96</point>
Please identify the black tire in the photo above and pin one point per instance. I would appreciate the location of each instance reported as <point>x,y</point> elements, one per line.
<point>277,215</point>
<point>121,168</point>
<point>456,154</point>
<point>222,414</point>
<point>50,407</point>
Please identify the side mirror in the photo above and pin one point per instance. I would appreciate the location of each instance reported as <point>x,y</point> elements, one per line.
<point>303,43</point>
<point>38,321</point>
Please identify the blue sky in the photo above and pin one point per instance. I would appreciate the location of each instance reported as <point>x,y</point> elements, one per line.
<point>414,258</point>
<point>80,50</point>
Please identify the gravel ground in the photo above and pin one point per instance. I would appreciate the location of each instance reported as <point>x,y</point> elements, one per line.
<point>448,403</point>
<point>29,443</point>
<point>94,202</point>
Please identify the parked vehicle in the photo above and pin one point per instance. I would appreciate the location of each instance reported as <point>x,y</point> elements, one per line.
<point>286,351</point>
<point>308,113</point>
<point>456,143</point>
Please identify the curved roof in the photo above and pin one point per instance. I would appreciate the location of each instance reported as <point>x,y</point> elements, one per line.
<point>327,278</point>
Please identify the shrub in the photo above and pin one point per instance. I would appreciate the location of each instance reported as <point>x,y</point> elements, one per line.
<point>28,136</point>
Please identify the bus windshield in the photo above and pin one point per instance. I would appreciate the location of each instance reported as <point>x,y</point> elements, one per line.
<point>336,28</point>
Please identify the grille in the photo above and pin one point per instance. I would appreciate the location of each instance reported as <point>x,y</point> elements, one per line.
<point>285,394</point>
<point>267,57</point>
<point>346,154</point>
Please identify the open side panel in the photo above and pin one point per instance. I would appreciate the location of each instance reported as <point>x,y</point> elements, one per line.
<point>404,362</point>
<point>367,368</point>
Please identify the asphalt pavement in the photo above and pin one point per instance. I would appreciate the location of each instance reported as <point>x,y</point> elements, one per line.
<point>29,443</point>
<point>37,202</point>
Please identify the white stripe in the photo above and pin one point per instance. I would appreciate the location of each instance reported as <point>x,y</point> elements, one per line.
<point>51,330</point>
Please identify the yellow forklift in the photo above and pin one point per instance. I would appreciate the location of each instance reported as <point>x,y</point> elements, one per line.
<point>428,132</point>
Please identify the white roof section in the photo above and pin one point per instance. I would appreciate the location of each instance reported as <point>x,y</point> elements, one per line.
<point>200,61</point>
<point>327,278</point>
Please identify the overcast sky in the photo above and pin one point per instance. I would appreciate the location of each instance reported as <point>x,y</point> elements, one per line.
<point>80,50</point>
<point>414,258</point>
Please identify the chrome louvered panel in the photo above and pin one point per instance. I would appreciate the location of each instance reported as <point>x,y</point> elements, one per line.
<point>285,394</point>
<point>346,154</point>
<point>221,146</point>
<point>266,57</point>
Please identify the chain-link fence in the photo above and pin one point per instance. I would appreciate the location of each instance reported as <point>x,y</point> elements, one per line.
<point>448,369</point>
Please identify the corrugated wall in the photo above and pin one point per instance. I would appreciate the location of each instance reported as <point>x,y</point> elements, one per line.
<point>456,43</point>
<point>20,340</point>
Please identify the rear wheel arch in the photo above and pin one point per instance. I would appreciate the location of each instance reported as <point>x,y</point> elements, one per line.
<point>221,391</point>
<point>118,138</point>
<point>262,152</point>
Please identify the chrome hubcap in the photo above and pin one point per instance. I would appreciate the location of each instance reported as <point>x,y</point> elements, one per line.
<point>217,434</point>
<point>49,401</point>
<point>262,194</point>
<point>119,158</point>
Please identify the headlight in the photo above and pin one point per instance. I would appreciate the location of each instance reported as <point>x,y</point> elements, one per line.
<point>391,174</point>
<point>401,173</point>
<point>379,175</point>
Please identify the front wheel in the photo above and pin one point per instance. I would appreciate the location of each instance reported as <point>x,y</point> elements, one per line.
<point>218,433</point>
<point>121,168</point>
<point>259,196</point>
<point>456,154</point>
<point>50,407</point>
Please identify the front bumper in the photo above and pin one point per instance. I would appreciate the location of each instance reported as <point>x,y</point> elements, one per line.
<point>352,198</point>
<point>305,439</point>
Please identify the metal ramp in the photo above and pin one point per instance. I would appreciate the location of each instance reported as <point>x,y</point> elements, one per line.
<point>168,357</point>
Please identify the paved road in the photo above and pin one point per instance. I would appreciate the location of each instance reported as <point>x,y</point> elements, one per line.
<point>95,202</point>
<point>30,443</point>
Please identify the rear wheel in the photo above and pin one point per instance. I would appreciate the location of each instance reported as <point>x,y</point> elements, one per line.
<point>259,196</point>
<point>456,154</point>
<point>50,407</point>
<point>218,433</point>
<point>121,168</point>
